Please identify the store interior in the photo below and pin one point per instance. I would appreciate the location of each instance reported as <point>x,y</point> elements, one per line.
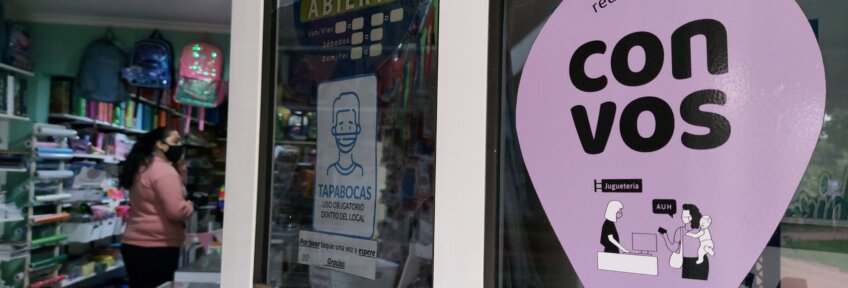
<point>62,213</point>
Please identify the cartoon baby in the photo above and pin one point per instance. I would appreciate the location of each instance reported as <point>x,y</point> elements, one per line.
<point>705,237</point>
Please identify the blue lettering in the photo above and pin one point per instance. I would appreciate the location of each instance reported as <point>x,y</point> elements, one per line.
<point>345,191</point>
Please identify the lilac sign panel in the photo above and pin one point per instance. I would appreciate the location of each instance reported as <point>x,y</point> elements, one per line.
<point>666,138</point>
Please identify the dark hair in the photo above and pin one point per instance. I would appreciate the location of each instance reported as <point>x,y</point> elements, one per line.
<point>696,215</point>
<point>141,155</point>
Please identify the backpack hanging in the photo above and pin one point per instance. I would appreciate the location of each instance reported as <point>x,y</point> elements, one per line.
<point>201,66</point>
<point>152,63</point>
<point>200,84</point>
<point>99,72</point>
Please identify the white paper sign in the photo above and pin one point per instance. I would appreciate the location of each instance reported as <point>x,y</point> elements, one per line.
<point>346,175</point>
<point>344,254</point>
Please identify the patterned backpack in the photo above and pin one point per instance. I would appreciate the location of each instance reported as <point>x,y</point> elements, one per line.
<point>200,84</point>
<point>201,66</point>
<point>152,61</point>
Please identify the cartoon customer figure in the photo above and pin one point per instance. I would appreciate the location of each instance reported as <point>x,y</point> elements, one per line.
<point>346,129</point>
<point>609,234</point>
<point>692,267</point>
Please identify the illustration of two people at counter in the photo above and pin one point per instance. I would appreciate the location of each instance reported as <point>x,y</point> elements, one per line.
<point>695,225</point>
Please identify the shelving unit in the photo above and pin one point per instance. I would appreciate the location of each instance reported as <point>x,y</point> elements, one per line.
<point>19,170</point>
<point>84,233</point>
<point>80,120</point>
<point>297,142</point>
<point>19,72</point>
<point>5,116</point>
<point>105,158</point>
<point>300,107</point>
<point>69,283</point>
<point>60,135</point>
<point>170,110</point>
<point>16,70</point>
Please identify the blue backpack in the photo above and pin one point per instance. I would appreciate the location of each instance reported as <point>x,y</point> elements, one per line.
<point>99,73</point>
<point>152,61</point>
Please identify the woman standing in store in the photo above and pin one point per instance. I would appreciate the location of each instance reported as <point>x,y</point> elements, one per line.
<point>156,224</point>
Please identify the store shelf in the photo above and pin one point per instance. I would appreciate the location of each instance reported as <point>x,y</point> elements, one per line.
<point>74,119</point>
<point>170,110</point>
<point>13,219</point>
<point>68,283</point>
<point>102,201</point>
<point>48,262</point>
<point>10,68</point>
<point>13,117</point>
<point>300,107</point>
<point>49,241</point>
<point>42,268</point>
<point>150,102</point>
<point>297,142</point>
<point>21,170</point>
<point>48,219</point>
<point>55,156</point>
<point>52,197</point>
<point>104,158</point>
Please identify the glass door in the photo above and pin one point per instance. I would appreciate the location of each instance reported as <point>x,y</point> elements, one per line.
<point>351,198</point>
<point>808,248</point>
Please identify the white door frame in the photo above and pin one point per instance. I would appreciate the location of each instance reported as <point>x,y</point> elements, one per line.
<point>460,147</point>
<point>243,143</point>
<point>461,143</point>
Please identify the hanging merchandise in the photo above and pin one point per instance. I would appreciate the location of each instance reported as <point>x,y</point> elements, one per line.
<point>201,66</point>
<point>152,61</point>
<point>201,85</point>
<point>18,51</point>
<point>98,77</point>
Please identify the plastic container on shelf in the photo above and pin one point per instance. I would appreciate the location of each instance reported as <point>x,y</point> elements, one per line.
<point>82,232</point>
<point>108,228</point>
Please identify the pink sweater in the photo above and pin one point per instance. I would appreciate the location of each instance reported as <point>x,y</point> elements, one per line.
<point>158,207</point>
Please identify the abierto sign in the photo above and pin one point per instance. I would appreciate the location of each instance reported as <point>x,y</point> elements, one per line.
<point>704,111</point>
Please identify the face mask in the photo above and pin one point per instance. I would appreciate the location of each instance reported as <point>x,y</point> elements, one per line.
<point>174,153</point>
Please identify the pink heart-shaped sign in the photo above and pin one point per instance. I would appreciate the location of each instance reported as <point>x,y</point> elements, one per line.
<point>633,111</point>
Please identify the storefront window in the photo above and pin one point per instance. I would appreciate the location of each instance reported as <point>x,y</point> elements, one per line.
<point>808,248</point>
<point>352,194</point>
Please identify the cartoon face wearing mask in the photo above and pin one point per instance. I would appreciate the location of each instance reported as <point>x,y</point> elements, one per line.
<point>345,130</point>
<point>346,123</point>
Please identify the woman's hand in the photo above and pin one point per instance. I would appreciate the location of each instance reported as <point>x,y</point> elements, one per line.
<point>182,168</point>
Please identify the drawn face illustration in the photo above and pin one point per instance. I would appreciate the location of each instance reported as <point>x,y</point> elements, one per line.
<point>346,126</point>
<point>686,216</point>
<point>705,222</point>
<point>346,130</point>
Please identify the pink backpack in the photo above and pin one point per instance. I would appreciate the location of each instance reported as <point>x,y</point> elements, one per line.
<point>200,83</point>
